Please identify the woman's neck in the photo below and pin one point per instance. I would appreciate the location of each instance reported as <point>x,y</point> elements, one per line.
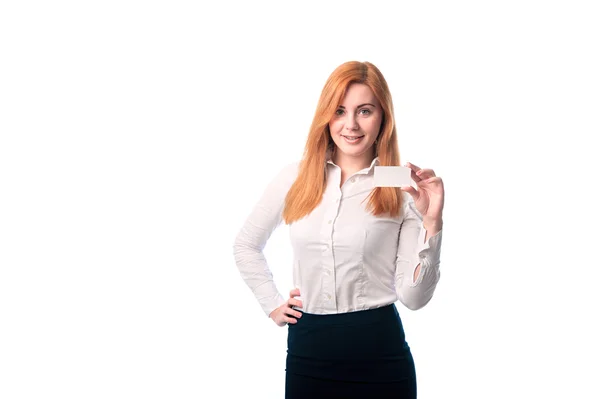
<point>350,165</point>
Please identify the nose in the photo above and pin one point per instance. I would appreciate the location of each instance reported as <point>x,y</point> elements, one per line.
<point>351,122</point>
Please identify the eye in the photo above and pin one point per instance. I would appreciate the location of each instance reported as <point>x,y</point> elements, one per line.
<point>365,111</point>
<point>339,112</point>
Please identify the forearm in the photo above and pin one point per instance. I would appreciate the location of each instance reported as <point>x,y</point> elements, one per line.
<point>255,272</point>
<point>432,227</point>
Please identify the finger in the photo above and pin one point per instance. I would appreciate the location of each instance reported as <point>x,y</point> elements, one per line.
<point>290,320</point>
<point>295,292</point>
<point>412,166</point>
<point>425,173</point>
<point>411,190</point>
<point>413,171</point>
<point>434,181</point>
<point>292,312</point>
<point>294,302</point>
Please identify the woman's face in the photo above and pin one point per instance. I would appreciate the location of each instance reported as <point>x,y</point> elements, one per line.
<point>357,121</point>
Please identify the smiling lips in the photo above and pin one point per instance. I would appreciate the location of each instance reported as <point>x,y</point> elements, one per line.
<point>353,139</point>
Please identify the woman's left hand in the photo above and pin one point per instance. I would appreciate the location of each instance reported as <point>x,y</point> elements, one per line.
<point>429,197</point>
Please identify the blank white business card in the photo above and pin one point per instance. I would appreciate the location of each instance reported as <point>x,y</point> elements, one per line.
<point>392,176</point>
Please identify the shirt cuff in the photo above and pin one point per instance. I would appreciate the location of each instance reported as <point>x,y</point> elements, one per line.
<point>270,304</point>
<point>428,252</point>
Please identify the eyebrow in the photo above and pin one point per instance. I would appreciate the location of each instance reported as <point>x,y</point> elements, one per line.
<point>361,105</point>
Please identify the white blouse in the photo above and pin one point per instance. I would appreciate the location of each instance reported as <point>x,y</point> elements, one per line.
<point>345,259</point>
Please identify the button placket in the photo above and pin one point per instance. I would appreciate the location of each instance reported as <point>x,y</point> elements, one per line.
<point>327,264</point>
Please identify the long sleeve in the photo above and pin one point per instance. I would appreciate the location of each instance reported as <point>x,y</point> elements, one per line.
<point>249,243</point>
<point>412,251</point>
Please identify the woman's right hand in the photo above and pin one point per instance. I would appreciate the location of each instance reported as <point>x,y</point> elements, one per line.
<point>281,315</point>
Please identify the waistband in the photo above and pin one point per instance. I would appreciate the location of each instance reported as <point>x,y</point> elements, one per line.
<point>367,316</point>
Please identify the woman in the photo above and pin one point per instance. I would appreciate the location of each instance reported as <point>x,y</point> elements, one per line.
<point>357,248</point>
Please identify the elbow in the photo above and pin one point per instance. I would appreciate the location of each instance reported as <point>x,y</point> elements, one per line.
<point>238,249</point>
<point>240,252</point>
<point>240,244</point>
<point>237,245</point>
<point>415,303</point>
<point>245,241</point>
<point>244,252</point>
<point>415,299</point>
<point>416,295</point>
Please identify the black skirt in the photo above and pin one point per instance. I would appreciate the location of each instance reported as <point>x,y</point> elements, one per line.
<point>360,354</point>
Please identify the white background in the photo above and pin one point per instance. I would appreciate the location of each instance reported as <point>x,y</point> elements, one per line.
<point>137,136</point>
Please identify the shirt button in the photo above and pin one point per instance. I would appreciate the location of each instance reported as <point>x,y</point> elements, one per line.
<point>327,273</point>
<point>327,296</point>
<point>353,180</point>
<point>329,222</point>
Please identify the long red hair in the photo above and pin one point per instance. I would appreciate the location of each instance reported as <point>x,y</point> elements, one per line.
<point>307,191</point>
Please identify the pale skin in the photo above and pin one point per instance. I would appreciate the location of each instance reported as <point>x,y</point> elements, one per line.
<point>361,115</point>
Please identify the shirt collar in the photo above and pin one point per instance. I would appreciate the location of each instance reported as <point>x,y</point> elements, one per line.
<point>374,162</point>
